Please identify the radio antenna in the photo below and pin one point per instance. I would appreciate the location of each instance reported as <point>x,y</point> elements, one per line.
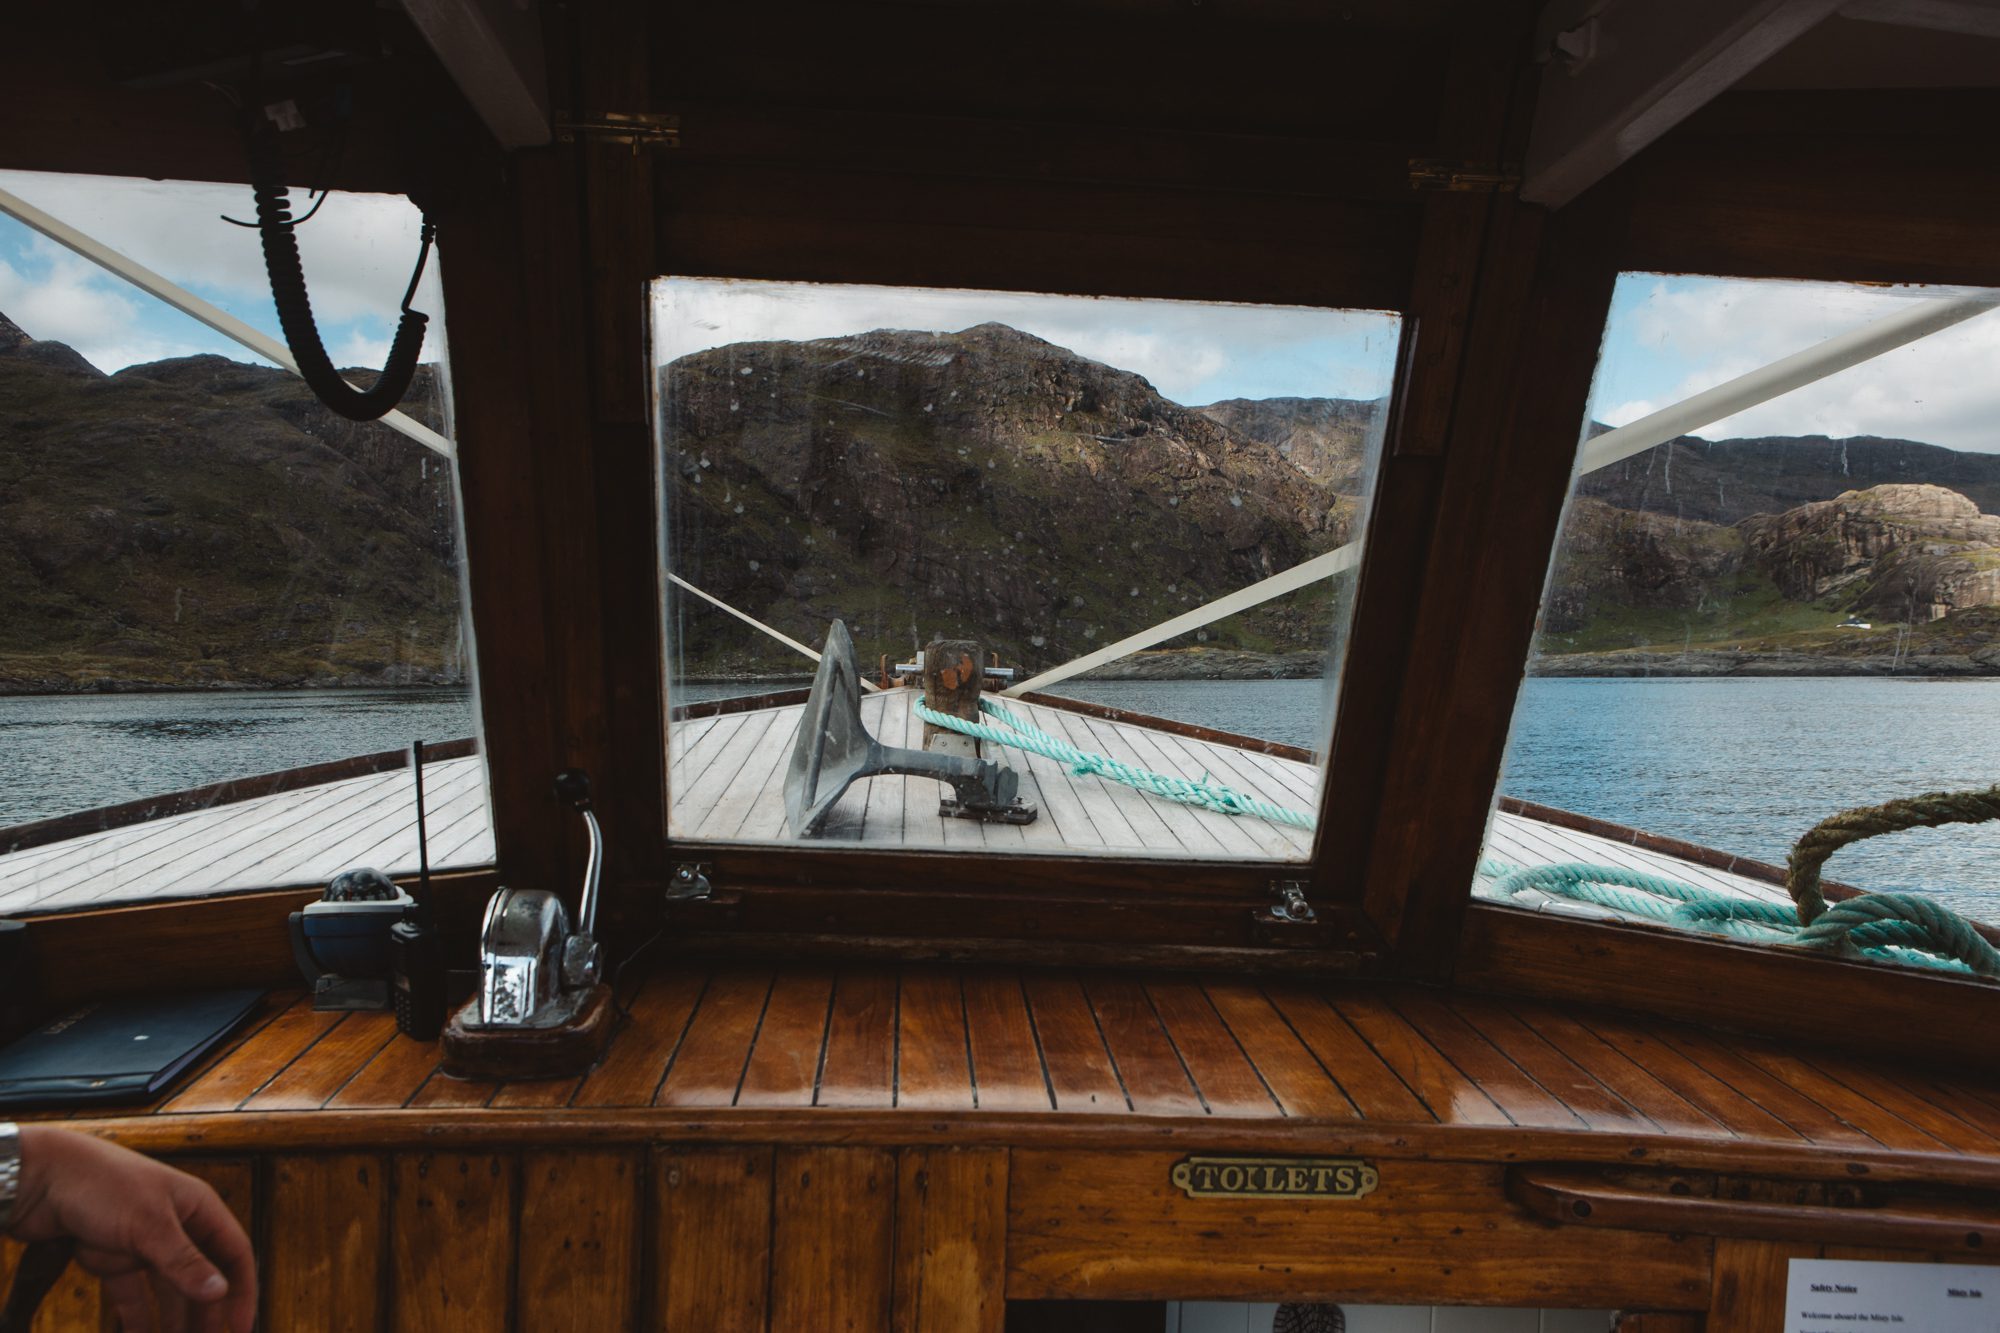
<point>423,842</point>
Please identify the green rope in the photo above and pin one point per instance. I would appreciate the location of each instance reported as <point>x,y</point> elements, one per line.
<point>1023,735</point>
<point>1902,927</point>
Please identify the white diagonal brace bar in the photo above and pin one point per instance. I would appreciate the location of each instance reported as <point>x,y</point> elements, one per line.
<point>189,304</point>
<point>1298,576</point>
<point>755,623</point>
<point>1822,359</point>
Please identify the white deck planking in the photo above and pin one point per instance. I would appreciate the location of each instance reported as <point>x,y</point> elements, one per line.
<point>302,837</point>
<point>733,790</point>
<point>728,778</point>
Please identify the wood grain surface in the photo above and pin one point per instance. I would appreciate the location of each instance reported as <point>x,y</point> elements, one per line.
<point>712,1224</point>
<point>1115,1230</point>
<point>324,1245</point>
<point>951,1241</point>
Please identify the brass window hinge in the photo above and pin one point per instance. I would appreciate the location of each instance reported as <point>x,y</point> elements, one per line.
<point>1435,174</point>
<point>640,129</point>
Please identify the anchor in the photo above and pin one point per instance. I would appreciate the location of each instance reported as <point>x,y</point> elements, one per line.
<point>834,751</point>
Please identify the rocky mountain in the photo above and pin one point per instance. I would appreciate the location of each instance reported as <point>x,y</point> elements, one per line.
<point>983,483</point>
<point>1325,438</point>
<point>200,522</point>
<point>1908,553</point>
<point>1725,481</point>
<point>1903,555</point>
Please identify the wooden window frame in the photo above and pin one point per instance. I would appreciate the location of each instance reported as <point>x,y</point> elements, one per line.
<point>546,258</point>
<point>1807,186</point>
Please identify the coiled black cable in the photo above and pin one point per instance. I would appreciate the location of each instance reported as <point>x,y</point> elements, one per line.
<point>288,290</point>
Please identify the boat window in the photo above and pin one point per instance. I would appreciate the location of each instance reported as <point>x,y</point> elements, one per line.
<point>1119,535</point>
<point>1776,597</point>
<point>225,611</point>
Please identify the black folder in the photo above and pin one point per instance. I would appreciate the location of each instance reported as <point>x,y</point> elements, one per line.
<point>118,1050</point>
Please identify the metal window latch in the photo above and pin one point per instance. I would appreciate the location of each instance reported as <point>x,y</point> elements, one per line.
<point>1435,174</point>
<point>1291,904</point>
<point>690,883</point>
<point>640,129</point>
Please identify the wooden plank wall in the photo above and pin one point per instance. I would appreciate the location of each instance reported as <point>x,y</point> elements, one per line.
<point>712,1239</point>
<point>749,1238</point>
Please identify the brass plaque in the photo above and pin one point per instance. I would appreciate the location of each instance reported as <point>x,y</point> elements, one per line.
<point>1275,1177</point>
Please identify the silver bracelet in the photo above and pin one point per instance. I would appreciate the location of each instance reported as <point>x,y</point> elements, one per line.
<point>10,1171</point>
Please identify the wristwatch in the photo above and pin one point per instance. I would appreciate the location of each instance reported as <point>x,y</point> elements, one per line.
<point>10,1171</point>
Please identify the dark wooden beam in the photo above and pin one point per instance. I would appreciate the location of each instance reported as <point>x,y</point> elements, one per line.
<point>1861,187</point>
<point>1620,76</point>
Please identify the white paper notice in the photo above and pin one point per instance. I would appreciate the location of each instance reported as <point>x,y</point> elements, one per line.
<point>1838,1296</point>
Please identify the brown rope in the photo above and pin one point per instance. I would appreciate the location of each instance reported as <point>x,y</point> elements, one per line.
<point>1830,835</point>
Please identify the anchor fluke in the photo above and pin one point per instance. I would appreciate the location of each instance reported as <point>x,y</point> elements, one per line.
<point>834,751</point>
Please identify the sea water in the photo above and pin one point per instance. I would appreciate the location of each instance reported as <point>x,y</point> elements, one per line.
<point>1745,766</point>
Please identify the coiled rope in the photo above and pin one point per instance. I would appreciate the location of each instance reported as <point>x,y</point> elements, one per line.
<point>1904,927</point>
<point>1024,735</point>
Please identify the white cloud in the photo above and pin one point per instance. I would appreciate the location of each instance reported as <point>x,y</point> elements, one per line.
<point>1940,390</point>
<point>1626,413</point>
<point>1184,348</point>
<point>55,296</point>
<point>358,251</point>
<point>362,349</point>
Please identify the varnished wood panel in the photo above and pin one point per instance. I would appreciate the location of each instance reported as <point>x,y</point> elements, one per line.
<point>1297,1079</point>
<point>313,1079</point>
<point>322,1263</point>
<point>1003,1044</point>
<point>1131,1235</point>
<point>1525,1101</point>
<point>944,1040</point>
<point>859,1068</point>
<point>640,1052</point>
<point>1228,1083</point>
<point>832,1239</point>
<point>933,1052</point>
<point>1451,1097</point>
<point>452,1233</point>
<point>1376,1089</point>
<point>951,1241</point>
<point>578,1236</point>
<point>1079,1067</point>
<point>1155,1079</point>
<point>708,1066</point>
<point>1749,1284</point>
<point>258,1061</point>
<point>391,1077</point>
<point>712,1224</point>
<point>1659,1103</point>
<point>1801,1112</point>
<point>784,1064</point>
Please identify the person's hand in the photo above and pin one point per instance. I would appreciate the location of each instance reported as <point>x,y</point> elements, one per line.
<point>157,1238</point>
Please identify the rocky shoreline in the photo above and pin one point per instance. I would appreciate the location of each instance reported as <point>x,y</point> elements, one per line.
<point>1710,664</point>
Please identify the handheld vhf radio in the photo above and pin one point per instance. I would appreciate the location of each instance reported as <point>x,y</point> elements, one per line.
<point>416,956</point>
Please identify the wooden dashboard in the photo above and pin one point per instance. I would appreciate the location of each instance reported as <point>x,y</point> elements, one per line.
<point>911,1148</point>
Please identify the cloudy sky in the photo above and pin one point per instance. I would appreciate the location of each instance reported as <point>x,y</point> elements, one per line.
<point>358,253</point>
<point>1668,337</point>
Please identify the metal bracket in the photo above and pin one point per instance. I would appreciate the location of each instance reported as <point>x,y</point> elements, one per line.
<point>639,129</point>
<point>1436,174</point>
<point>1291,904</point>
<point>690,883</point>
